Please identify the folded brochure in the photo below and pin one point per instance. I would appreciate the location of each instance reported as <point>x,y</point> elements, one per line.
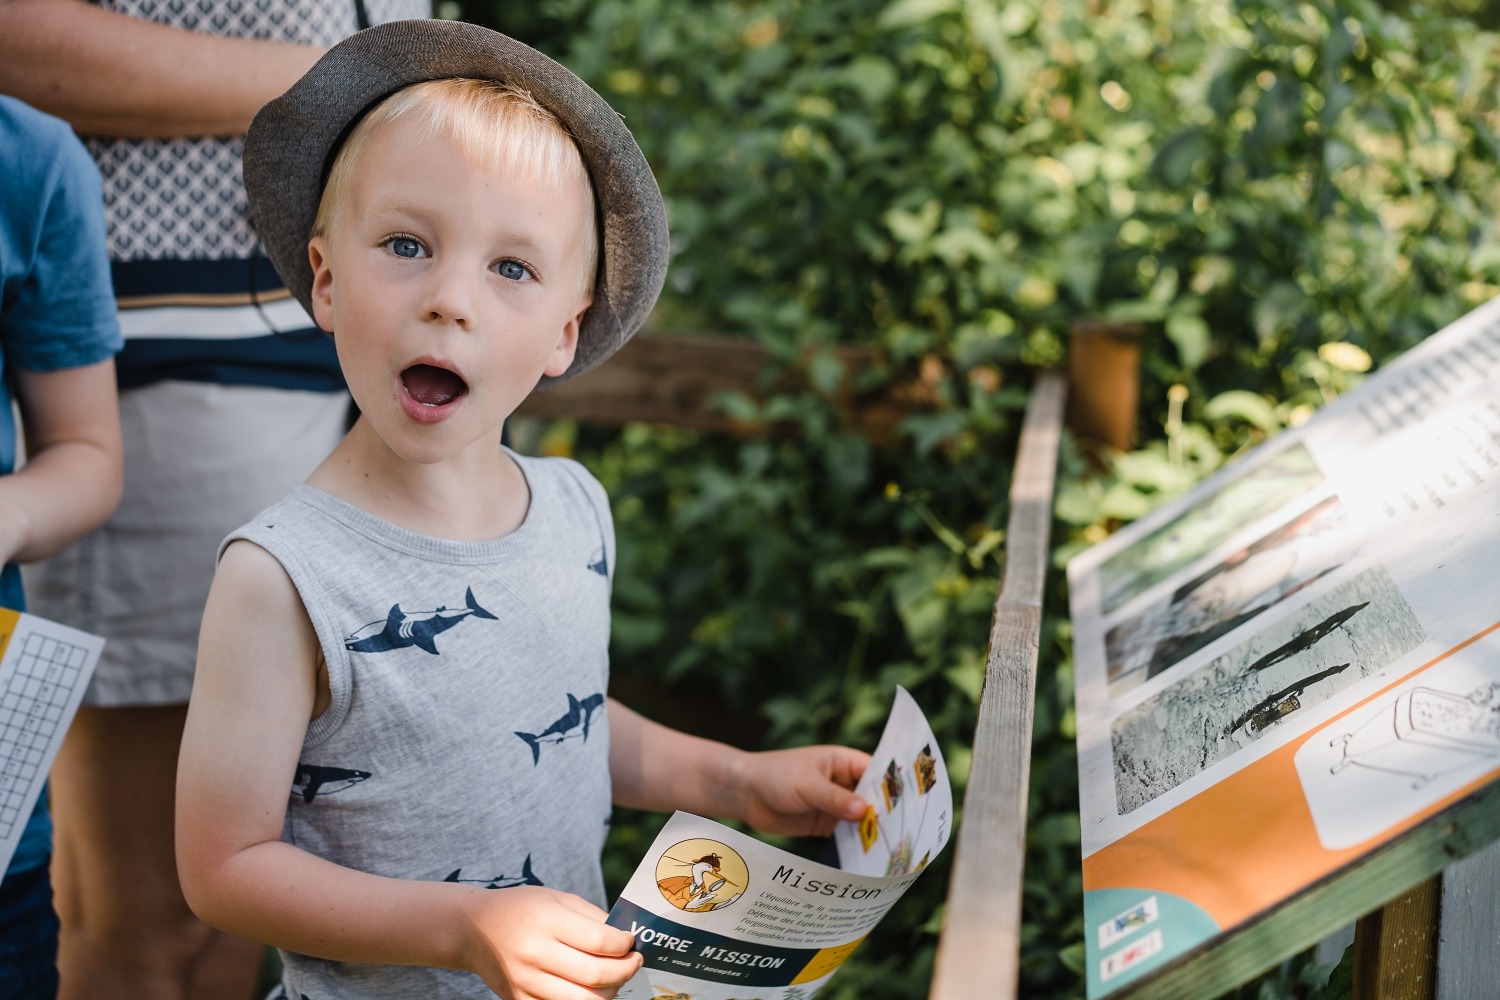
<point>719,915</point>
<point>44,669</point>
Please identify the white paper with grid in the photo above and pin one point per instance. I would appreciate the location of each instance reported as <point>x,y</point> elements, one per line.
<point>44,668</point>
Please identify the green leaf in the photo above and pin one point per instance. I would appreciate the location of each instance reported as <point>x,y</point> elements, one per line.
<point>922,610</point>
<point>1078,502</point>
<point>914,227</point>
<point>1241,404</point>
<point>737,406</point>
<point>872,77</point>
<point>906,12</point>
<point>968,677</point>
<point>826,371</point>
<point>1074,958</point>
<point>1280,309</point>
<point>1175,158</point>
<point>1191,335</point>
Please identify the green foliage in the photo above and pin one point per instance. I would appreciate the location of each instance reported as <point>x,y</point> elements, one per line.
<point>1280,193</point>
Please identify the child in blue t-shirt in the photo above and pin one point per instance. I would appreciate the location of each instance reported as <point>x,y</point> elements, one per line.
<point>58,338</point>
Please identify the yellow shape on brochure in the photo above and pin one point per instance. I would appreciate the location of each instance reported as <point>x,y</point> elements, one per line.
<point>825,962</point>
<point>9,619</point>
<point>869,829</point>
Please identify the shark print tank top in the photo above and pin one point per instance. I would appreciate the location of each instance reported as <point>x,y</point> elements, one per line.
<point>467,738</point>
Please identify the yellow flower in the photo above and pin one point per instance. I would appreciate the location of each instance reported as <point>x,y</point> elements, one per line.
<point>1345,357</point>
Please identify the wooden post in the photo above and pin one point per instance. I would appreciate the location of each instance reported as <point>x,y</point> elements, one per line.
<point>978,956</point>
<point>1104,382</point>
<point>1468,957</point>
<point>1395,947</point>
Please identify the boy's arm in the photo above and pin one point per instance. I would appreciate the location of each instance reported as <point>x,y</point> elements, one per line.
<point>253,695</point>
<point>108,73</point>
<point>804,791</point>
<point>71,480</point>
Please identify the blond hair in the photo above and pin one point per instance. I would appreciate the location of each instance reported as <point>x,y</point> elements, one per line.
<point>495,124</point>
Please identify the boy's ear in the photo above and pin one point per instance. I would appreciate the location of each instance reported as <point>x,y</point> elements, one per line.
<point>322,283</point>
<point>567,341</point>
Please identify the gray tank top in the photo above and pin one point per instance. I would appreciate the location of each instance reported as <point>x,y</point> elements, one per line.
<point>467,738</point>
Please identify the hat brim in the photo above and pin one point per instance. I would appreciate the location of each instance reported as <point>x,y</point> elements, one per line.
<point>293,139</point>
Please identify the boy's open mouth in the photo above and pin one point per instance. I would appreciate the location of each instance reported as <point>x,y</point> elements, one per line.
<point>431,385</point>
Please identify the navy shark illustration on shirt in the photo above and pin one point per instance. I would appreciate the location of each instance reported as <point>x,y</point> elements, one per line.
<point>312,780</point>
<point>600,563</point>
<point>527,877</point>
<point>574,723</point>
<point>402,629</point>
<point>280,993</point>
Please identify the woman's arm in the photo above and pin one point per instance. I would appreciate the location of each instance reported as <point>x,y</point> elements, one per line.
<point>108,73</point>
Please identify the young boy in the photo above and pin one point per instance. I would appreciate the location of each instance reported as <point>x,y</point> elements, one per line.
<point>417,638</point>
<point>58,338</point>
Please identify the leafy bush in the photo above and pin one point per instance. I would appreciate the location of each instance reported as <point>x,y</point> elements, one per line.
<point>1281,193</point>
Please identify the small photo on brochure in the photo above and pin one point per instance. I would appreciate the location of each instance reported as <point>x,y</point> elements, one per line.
<point>910,800</point>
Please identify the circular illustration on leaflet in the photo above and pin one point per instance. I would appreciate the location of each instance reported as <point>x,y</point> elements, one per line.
<point>699,875</point>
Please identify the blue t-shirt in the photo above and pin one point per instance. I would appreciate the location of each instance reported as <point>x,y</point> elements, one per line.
<point>57,308</point>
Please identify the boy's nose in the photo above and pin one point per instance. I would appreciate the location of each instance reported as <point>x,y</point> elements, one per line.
<point>451,297</point>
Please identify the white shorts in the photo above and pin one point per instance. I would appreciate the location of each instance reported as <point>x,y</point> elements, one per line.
<point>200,460</point>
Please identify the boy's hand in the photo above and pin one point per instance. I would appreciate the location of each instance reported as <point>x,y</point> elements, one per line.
<point>804,791</point>
<point>531,943</point>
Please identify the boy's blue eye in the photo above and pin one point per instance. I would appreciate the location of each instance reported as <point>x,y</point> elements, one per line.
<point>403,246</point>
<point>510,269</point>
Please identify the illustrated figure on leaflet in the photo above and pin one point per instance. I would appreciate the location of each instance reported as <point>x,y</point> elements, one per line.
<point>691,892</point>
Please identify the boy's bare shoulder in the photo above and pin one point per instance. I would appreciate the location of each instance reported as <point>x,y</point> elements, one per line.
<point>250,580</point>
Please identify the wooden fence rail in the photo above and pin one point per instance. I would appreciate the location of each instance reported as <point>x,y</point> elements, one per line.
<point>979,949</point>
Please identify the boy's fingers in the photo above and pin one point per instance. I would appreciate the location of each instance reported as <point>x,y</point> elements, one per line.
<point>580,905</point>
<point>593,935</point>
<point>849,766</point>
<point>845,805</point>
<point>855,809</point>
<point>597,974</point>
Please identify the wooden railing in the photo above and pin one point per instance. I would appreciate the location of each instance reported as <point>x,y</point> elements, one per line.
<point>979,949</point>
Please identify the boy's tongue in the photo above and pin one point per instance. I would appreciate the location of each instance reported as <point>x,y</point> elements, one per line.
<point>431,385</point>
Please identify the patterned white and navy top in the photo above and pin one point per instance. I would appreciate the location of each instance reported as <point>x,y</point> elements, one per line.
<point>197,299</point>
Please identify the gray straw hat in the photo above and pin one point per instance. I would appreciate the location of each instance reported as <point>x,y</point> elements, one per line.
<point>293,139</point>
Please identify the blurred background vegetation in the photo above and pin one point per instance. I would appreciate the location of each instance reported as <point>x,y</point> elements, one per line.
<point>1282,194</point>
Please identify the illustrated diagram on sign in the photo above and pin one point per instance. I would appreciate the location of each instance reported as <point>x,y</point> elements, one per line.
<point>1426,733</point>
